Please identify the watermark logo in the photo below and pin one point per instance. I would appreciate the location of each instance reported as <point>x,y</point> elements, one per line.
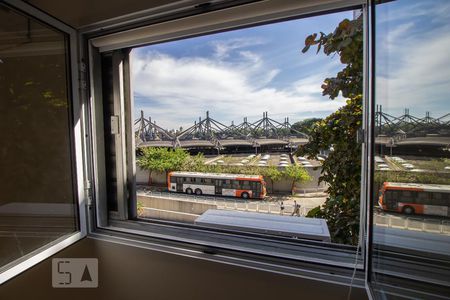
<point>75,272</point>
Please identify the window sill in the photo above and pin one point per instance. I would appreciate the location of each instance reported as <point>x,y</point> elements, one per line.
<point>313,260</point>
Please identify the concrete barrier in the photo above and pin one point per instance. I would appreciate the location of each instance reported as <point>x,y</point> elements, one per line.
<point>431,225</point>
<point>446,227</point>
<point>414,224</point>
<point>396,222</point>
<point>175,205</point>
<point>168,215</point>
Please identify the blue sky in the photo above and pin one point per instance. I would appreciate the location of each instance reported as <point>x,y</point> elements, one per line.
<point>237,74</point>
<point>245,72</point>
<point>413,57</point>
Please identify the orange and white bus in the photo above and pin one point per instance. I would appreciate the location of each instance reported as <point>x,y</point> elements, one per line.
<point>413,198</point>
<point>235,185</point>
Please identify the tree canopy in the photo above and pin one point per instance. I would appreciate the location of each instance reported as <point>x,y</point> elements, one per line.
<point>337,133</point>
<point>165,160</point>
<point>306,125</point>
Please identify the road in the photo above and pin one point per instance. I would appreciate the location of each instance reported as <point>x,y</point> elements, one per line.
<point>270,204</point>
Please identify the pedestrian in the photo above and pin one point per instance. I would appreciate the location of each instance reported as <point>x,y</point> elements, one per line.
<point>296,211</point>
<point>281,208</point>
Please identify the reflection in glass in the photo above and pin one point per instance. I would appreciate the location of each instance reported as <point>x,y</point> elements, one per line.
<point>411,232</point>
<point>37,194</point>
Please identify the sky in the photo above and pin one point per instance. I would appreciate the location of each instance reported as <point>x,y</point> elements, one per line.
<point>243,73</point>
<point>413,57</point>
<point>237,74</point>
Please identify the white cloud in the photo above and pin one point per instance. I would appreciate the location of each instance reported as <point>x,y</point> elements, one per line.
<point>178,90</point>
<point>414,69</point>
<point>222,48</point>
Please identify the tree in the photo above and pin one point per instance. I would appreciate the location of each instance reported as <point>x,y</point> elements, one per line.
<point>271,173</point>
<point>306,125</point>
<point>296,173</point>
<point>342,168</point>
<point>347,42</point>
<point>162,160</point>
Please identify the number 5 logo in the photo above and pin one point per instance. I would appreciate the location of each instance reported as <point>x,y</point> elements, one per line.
<point>62,274</point>
<point>75,272</point>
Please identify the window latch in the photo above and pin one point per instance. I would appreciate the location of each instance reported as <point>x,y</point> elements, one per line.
<point>115,125</point>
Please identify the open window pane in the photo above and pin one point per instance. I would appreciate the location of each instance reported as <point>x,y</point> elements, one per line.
<point>411,215</point>
<point>37,203</point>
<point>232,130</point>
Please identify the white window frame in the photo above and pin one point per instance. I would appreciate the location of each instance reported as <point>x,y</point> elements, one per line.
<point>27,261</point>
<point>132,232</point>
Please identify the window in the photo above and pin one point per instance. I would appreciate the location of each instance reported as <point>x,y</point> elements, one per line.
<point>410,244</point>
<point>408,196</point>
<point>215,80</point>
<point>423,198</point>
<point>221,76</point>
<point>40,169</point>
<point>246,185</point>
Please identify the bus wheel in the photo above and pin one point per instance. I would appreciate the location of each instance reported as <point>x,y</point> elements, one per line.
<point>189,191</point>
<point>408,210</point>
<point>198,191</point>
<point>245,195</point>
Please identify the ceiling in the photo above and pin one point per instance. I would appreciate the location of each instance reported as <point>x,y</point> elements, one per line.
<point>80,13</point>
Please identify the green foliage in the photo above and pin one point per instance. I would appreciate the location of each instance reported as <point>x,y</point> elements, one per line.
<point>272,173</point>
<point>296,173</point>
<point>140,208</point>
<point>193,163</point>
<point>306,125</point>
<point>347,42</point>
<point>341,169</point>
<point>337,133</point>
<point>165,160</point>
<point>342,218</point>
<point>162,159</point>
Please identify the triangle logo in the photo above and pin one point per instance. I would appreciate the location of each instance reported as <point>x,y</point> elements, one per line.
<point>86,275</point>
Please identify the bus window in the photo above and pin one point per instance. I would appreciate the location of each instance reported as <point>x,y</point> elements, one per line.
<point>422,197</point>
<point>245,185</point>
<point>407,196</point>
<point>173,179</point>
<point>192,179</point>
<point>441,199</point>
<point>391,198</point>
<point>226,184</point>
<point>235,184</point>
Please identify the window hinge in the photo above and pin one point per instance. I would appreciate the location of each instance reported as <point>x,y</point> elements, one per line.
<point>115,125</point>
<point>88,191</point>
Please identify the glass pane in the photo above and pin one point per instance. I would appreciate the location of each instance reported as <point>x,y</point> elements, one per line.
<point>411,225</point>
<point>37,192</point>
<point>279,104</point>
